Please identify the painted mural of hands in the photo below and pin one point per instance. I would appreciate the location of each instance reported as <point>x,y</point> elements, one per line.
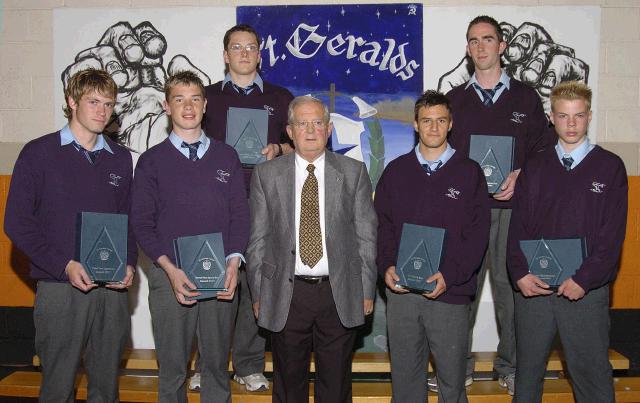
<point>532,57</point>
<point>133,56</point>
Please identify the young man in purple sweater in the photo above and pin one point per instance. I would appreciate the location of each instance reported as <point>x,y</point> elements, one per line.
<point>244,88</point>
<point>492,103</point>
<point>575,190</point>
<point>189,185</point>
<point>437,186</point>
<point>57,176</point>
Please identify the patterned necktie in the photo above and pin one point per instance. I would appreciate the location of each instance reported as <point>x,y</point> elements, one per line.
<point>427,168</point>
<point>567,161</point>
<point>193,149</point>
<point>89,155</point>
<point>244,90</point>
<point>310,236</point>
<point>487,95</point>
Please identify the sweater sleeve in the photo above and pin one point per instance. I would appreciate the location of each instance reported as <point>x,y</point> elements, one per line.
<point>539,135</point>
<point>458,268</point>
<point>600,267</point>
<point>21,223</point>
<point>522,209</point>
<point>144,209</point>
<point>387,238</point>
<point>124,207</point>
<point>238,211</point>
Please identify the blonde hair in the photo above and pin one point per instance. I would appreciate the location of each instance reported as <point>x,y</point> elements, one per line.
<point>86,81</point>
<point>571,90</point>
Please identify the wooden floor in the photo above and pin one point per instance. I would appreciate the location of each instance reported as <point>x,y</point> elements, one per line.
<point>135,388</point>
<point>362,362</point>
<point>143,389</point>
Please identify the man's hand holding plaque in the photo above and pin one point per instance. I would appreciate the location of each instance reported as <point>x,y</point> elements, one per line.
<point>101,249</point>
<point>247,133</point>
<point>495,156</point>
<point>419,256</point>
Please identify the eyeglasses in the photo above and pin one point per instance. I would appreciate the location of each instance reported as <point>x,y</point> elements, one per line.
<point>237,48</point>
<point>317,124</point>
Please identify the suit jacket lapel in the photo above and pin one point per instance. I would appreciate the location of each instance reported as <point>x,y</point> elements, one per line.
<point>333,180</point>
<point>285,184</point>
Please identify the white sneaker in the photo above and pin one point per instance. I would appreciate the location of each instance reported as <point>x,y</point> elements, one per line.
<point>432,383</point>
<point>254,382</point>
<point>509,382</point>
<point>194,382</point>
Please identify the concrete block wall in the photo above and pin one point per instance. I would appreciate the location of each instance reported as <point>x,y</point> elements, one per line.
<point>27,78</point>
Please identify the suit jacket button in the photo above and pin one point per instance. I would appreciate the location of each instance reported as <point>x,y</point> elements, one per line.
<point>293,252</point>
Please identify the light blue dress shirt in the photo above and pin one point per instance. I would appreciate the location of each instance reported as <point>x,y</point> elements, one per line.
<point>578,154</point>
<point>257,81</point>
<point>504,79</point>
<point>67,137</point>
<point>202,148</point>
<point>444,157</point>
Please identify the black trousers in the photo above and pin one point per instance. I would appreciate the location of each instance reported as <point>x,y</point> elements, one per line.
<point>312,324</point>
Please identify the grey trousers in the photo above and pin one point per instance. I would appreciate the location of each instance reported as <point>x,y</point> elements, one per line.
<point>248,345</point>
<point>68,322</point>
<point>416,327</point>
<point>583,326</point>
<point>495,262</point>
<point>174,326</point>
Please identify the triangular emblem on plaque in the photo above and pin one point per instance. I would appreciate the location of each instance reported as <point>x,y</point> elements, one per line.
<point>249,145</point>
<point>544,264</point>
<point>103,261</point>
<point>417,268</point>
<point>206,265</point>
<point>492,171</point>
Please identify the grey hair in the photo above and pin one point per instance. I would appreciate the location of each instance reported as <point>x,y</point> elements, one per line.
<point>306,99</point>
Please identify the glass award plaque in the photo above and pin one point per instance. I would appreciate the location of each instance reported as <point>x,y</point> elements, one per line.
<point>247,133</point>
<point>554,260</point>
<point>202,259</point>
<point>419,256</point>
<point>495,156</point>
<point>101,247</point>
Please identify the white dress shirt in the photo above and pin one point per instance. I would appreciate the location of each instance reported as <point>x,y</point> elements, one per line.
<point>322,267</point>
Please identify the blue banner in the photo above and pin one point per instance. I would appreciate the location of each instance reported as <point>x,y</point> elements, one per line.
<point>364,61</point>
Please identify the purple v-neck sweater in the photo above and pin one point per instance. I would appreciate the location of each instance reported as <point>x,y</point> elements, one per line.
<point>454,198</point>
<point>518,113</point>
<point>274,99</point>
<point>590,201</point>
<point>174,196</point>
<point>50,185</point>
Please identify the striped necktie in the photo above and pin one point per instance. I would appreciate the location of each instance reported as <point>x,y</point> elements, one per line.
<point>427,168</point>
<point>89,155</point>
<point>567,161</point>
<point>193,149</point>
<point>487,95</point>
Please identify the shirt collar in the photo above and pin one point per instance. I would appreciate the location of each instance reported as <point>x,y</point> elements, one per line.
<point>67,137</point>
<point>301,163</point>
<point>504,79</point>
<point>578,154</point>
<point>177,143</point>
<point>444,157</point>
<point>257,81</point>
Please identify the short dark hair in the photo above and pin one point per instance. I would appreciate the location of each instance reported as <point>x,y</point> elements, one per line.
<point>183,77</point>
<point>239,28</point>
<point>488,20</point>
<point>431,98</point>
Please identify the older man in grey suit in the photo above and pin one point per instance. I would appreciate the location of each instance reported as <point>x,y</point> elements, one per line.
<point>311,257</point>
